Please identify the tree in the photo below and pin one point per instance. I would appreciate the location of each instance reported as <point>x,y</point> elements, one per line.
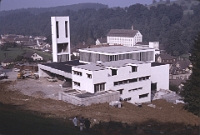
<point>167,1</point>
<point>191,89</point>
<point>174,46</point>
<point>154,1</point>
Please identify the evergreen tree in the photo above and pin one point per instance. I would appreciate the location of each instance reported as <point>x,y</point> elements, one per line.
<point>154,1</point>
<point>167,1</point>
<point>191,89</point>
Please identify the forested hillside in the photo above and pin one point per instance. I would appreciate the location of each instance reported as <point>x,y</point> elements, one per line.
<point>163,23</point>
<point>74,7</point>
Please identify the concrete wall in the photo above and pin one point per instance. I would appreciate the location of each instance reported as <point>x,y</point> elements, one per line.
<point>160,75</point>
<point>102,98</point>
<point>154,45</point>
<point>62,35</point>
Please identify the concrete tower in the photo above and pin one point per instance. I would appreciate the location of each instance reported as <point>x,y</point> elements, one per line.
<point>60,39</point>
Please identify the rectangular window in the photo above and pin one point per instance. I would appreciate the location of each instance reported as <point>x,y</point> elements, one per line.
<point>111,58</point>
<point>120,91</point>
<point>147,77</point>
<point>99,87</point>
<point>140,88</point>
<point>114,72</point>
<point>144,78</point>
<point>134,68</point>
<point>144,95</point>
<point>127,99</point>
<point>77,84</point>
<point>132,80</point>
<point>89,76</point>
<point>77,73</point>
<point>66,29</point>
<point>57,29</point>
<point>125,81</point>
<point>115,83</point>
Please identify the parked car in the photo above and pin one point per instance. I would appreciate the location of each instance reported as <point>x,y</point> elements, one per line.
<point>3,76</point>
<point>16,70</point>
<point>27,71</point>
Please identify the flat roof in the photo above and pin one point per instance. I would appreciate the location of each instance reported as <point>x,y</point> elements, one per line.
<point>64,66</point>
<point>113,64</point>
<point>114,49</point>
<point>154,64</point>
<point>87,94</point>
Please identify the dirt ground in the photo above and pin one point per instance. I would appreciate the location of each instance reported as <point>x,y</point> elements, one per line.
<point>11,92</point>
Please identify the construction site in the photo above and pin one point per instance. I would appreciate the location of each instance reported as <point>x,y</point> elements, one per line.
<point>38,95</point>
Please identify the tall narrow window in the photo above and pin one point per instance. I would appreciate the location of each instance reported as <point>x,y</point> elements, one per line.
<point>120,91</point>
<point>66,29</point>
<point>99,87</point>
<point>57,29</point>
<point>114,72</point>
<point>134,68</point>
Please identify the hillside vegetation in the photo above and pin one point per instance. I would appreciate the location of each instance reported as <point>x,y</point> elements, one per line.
<point>186,4</point>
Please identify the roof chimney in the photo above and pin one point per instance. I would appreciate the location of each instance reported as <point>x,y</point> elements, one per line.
<point>132,27</point>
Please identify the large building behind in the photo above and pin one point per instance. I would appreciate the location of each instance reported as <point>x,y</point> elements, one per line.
<point>124,37</point>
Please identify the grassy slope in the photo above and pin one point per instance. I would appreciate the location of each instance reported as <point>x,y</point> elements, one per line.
<point>13,121</point>
<point>12,53</point>
<point>46,56</point>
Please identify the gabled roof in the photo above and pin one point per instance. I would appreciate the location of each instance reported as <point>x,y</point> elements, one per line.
<point>28,54</point>
<point>184,64</point>
<point>102,40</point>
<point>122,33</point>
<point>7,60</point>
<point>165,56</point>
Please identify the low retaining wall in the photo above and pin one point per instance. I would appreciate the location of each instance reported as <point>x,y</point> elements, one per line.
<point>102,97</point>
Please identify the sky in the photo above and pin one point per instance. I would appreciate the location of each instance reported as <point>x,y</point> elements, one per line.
<point>17,4</point>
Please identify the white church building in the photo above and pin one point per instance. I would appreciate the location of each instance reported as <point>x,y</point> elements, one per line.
<point>130,71</point>
<point>132,77</point>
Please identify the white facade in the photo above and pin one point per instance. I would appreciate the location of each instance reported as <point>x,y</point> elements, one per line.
<point>123,39</point>
<point>154,45</point>
<point>60,39</point>
<point>160,76</point>
<point>132,79</point>
<point>115,53</point>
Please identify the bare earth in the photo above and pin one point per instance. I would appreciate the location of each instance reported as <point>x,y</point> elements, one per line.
<point>32,95</point>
